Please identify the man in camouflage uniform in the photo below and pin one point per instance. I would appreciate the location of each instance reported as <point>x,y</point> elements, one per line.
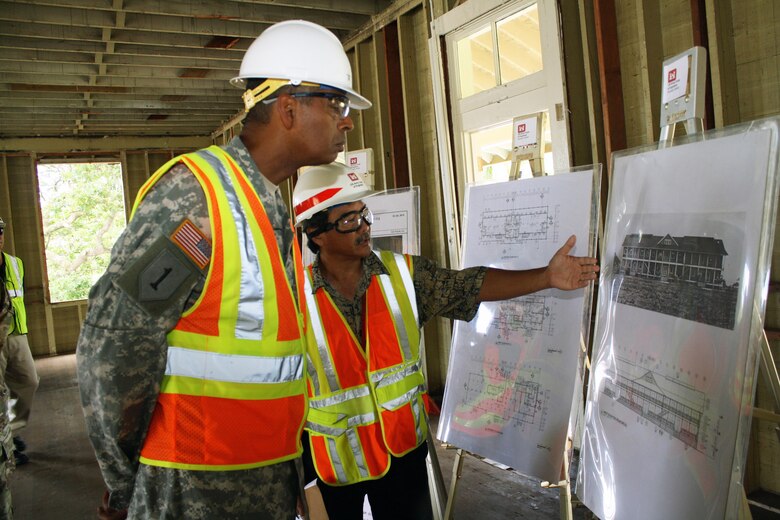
<point>338,227</point>
<point>123,348</point>
<point>6,436</point>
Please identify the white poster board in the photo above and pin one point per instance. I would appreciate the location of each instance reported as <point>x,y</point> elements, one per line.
<point>513,368</point>
<point>684,277</point>
<point>396,224</point>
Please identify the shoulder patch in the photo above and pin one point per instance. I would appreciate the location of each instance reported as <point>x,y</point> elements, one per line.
<point>160,277</point>
<point>192,243</point>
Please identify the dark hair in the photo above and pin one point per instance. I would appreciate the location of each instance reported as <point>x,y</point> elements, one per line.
<point>313,227</point>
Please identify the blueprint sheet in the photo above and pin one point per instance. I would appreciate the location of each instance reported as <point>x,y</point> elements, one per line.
<point>512,369</point>
<point>671,373</point>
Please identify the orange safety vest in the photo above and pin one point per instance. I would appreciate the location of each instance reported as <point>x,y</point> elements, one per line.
<point>233,393</point>
<point>365,406</point>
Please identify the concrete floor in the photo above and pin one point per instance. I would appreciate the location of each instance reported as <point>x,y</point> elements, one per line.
<point>62,480</point>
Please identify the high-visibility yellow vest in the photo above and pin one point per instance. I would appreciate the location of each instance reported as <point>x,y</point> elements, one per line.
<point>233,393</point>
<point>365,406</point>
<point>14,283</point>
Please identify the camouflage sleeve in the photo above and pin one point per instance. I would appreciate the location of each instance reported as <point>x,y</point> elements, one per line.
<point>121,352</point>
<point>6,435</point>
<point>446,292</point>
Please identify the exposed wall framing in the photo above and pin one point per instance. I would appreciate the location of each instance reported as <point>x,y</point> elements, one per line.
<point>614,49</point>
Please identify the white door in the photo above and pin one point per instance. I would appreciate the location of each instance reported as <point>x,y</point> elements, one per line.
<point>503,60</point>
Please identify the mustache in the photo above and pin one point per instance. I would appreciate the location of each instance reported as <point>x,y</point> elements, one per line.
<point>365,237</point>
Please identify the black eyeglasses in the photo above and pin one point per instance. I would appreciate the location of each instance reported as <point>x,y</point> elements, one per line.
<point>338,102</point>
<point>2,231</point>
<point>350,222</point>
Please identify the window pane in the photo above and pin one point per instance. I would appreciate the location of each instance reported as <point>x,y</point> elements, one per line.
<point>491,152</point>
<point>475,63</point>
<point>83,212</point>
<point>519,45</point>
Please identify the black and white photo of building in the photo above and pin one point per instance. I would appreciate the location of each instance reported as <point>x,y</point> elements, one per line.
<point>677,275</point>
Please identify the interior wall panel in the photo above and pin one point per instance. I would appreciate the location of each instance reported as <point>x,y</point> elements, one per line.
<point>676,27</point>
<point>631,72</point>
<point>756,24</point>
<point>26,237</point>
<point>422,157</point>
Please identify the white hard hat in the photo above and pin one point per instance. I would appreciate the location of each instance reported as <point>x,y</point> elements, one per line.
<point>321,187</point>
<point>298,52</point>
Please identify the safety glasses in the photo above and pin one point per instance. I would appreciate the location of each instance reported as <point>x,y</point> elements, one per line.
<point>336,101</point>
<point>350,222</point>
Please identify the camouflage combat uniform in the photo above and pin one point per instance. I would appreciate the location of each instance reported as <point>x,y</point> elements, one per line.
<point>122,357</point>
<point>6,436</point>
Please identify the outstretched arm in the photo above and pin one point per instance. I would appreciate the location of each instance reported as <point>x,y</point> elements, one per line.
<point>563,272</point>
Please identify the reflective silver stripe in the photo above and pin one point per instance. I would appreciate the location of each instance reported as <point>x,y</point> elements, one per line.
<point>360,460</point>
<point>338,467</point>
<point>406,277</point>
<point>352,422</point>
<point>418,418</point>
<point>319,335</point>
<point>325,430</point>
<point>18,292</point>
<point>398,319</point>
<point>403,399</point>
<point>355,393</point>
<point>250,314</point>
<point>382,378</point>
<point>312,371</point>
<point>233,368</point>
<point>357,420</point>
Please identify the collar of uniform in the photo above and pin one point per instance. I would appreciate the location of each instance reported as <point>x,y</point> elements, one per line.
<point>236,149</point>
<point>372,266</point>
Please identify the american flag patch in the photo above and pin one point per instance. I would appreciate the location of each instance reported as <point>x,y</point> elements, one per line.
<point>194,244</point>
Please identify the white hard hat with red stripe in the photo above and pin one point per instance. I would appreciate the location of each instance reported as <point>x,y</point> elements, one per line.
<point>321,187</point>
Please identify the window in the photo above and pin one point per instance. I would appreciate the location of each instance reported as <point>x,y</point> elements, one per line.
<point>475,57</point>
<point>519,45</point>
<point>82,206</point>
<point>516,43</point>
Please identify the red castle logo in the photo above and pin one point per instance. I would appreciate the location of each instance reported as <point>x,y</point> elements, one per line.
<point>521,128</point>
<point>672,76</point>
<point>353,161</point>
<point>353,176</point>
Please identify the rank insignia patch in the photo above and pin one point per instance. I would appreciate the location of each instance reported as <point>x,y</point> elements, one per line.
<point>193,243</point>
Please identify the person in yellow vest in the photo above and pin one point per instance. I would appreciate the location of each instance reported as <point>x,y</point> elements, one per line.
<point>191,357</point>
<point>16,361</point>
<point>366,427</point>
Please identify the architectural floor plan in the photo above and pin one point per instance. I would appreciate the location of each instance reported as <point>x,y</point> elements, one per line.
<point>513,368</point>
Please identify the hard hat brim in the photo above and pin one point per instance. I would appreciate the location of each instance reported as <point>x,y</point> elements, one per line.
<point>356,101</point>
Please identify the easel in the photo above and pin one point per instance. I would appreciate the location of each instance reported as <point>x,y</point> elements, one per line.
<point>527,145</point>
<point>688,109</point>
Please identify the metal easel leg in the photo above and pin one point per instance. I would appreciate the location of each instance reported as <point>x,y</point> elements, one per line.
<point>435,480</point>
<point>565,489</point>
<point>457,470</point>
